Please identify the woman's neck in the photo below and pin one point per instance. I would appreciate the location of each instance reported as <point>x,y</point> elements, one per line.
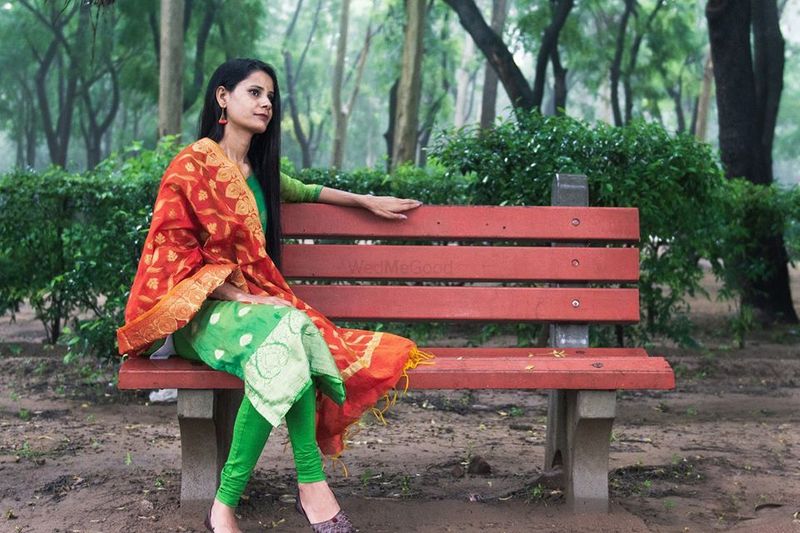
<point>236,144</point>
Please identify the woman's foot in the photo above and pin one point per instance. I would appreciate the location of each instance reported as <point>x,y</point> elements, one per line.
<point>222,519</point>
<point>318,501</point>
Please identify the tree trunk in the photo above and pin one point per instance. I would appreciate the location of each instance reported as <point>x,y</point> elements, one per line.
<point>57,123</point>
<point>729,34</point>
<point>462,82</point>
<point>559,83</point>
<point>196,87</point>
<point>408,91</point>
<point>560,11</point>
<point>390,128</point>
<point>633,56</point>
<point>170,82</point>
<point>616,64</point>
<point>747,100</point>
<point>292,92</point>
<point>489,97</point>
<point>95,129</point>
<point>291,103</point>
<point>339,119</point>
<point>496,52</point>
<point>704,101</point>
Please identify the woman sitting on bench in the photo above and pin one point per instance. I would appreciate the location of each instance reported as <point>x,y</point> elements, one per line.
<point>208,280</point>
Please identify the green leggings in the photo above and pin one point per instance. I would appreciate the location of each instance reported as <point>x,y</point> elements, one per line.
<point>250,433</point>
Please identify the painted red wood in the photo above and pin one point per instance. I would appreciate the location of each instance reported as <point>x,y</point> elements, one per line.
<point>588,373</point>
<point>567,373</point>
<point>486,352</point>
<point>172,373</point>
<point>485,263</point>
<point>359,302</point>
<point>465,222</point>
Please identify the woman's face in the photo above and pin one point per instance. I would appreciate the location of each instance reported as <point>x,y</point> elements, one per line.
<point>249,105</point>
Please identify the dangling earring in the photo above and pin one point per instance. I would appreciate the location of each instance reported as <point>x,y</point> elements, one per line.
<point>223,119</point>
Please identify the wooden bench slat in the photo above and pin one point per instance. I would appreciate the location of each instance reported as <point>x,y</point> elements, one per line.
<point>609,373</point>
<point>489,352</point>
<point>502,304</point>
<point>614,224</point>
<point>485,263</point>
<point>590,373</point>
<point>172,373</point>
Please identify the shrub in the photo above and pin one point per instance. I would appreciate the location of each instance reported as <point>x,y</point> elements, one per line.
<point>674,181</point>
<point>70,242</point>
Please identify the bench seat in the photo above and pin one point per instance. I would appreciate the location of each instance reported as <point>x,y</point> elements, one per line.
<point>456,368</point>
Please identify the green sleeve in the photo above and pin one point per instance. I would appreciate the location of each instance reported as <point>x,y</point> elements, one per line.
<point>293,190</point>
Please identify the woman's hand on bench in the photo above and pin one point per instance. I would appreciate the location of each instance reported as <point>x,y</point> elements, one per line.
<point>388,206</point>
<point>382,206</point>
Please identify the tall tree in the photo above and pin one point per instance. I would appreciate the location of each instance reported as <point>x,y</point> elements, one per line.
<point>748,87</point>
<point>57,121</point>
<point>170,85</point>
<point>292,72</point>
<point>463,76</point>
<point>704,101</point>
<point>100,89</point>
<point>408,92</point>
<point>500,58</point>
<point>343,111</point>
<point>339,114</point>
<point>489,96</point>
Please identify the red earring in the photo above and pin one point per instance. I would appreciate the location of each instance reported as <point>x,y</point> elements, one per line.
<point>223,119</point>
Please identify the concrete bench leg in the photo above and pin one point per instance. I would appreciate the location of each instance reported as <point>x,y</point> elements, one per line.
<point>590,417</point>
<point>206,420</point>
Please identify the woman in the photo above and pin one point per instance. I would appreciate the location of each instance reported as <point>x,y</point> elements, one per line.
<point>208,282</point>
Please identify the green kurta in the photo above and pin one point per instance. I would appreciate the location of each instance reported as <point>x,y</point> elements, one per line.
<point>276,350</point>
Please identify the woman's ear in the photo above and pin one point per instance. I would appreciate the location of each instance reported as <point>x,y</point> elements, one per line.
<point>222,96</point>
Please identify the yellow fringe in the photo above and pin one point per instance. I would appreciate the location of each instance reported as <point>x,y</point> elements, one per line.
<point>416,357</point>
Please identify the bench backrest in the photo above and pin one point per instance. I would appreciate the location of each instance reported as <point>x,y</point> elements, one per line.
<point>482,258</point>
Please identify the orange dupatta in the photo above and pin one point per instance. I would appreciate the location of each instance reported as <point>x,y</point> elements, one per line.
<point>205,231</point>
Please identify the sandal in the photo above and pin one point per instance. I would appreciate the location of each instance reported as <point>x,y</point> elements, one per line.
<point>340,523</point>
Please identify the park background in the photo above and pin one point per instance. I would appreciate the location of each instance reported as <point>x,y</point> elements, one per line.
<point>688,110</point>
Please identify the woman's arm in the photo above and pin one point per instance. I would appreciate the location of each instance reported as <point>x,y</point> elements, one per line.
<point>383,206</point>
<point>294,190</point>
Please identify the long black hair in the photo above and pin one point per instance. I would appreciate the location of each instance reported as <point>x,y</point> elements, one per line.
<point>265,148</point>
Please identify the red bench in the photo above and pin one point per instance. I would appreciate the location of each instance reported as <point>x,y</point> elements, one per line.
<point>578,249</point>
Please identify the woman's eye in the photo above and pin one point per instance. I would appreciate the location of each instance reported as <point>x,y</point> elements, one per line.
<point>254,92</point>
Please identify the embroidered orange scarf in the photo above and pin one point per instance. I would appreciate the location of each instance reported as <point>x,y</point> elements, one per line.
<point>205,231</point>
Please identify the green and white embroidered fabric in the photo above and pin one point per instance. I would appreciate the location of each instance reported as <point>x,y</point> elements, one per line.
<point>277,351</point>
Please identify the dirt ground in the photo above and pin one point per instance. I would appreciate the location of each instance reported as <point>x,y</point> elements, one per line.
<point>720,453</point>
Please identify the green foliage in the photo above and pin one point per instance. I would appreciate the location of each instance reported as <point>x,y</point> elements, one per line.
<point>674,181</point>
<point>751,211</point>
<point>70,243</point>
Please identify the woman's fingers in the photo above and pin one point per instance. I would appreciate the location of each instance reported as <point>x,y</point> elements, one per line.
<point>391,207</point>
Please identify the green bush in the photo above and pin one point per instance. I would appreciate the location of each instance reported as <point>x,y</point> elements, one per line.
<point>674,181</point>
<point>70,243</point>
<point>752,211</point>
